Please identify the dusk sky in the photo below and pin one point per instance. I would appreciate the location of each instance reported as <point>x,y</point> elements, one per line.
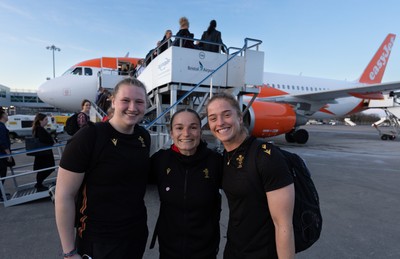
<point>327,39</point>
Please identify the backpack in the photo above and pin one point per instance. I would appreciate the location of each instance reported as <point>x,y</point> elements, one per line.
<point>71,124</point>
<point>307,218</point>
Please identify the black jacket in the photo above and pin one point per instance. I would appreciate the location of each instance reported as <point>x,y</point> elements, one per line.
<point>188,223</point>
<point>213,36</point>
<point>184,33</point>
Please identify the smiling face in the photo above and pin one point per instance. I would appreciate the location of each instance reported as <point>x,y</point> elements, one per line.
<point>186,132</point>
<point>129,105</point>
<point>225,123</point>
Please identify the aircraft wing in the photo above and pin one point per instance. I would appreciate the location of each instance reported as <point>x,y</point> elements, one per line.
<point>370,91</point>
<point>312,102</point>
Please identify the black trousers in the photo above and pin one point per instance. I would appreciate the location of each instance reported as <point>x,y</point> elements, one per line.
<point>43,161</point>
<point>3,168</point>
<point>123,249</point>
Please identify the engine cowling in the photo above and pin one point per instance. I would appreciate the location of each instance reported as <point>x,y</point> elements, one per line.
<point>266,119</point>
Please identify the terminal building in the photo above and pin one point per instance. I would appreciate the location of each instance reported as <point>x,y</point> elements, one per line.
<point>23,102</point>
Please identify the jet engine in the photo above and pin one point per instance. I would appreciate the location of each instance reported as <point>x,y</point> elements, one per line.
<point>267,119</point>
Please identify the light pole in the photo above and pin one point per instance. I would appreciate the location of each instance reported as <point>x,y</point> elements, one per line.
<point>53,48</point>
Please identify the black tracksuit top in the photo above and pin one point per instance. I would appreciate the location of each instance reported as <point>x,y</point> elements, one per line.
<point>188,224</point>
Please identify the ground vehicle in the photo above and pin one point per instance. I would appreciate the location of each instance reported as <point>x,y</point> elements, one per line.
<point>20,126</point>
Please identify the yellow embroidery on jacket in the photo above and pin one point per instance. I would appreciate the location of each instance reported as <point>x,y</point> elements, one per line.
<point>142,141</point>
<point>114,141</point>
<point>206,173</point>
<point>240,160</point>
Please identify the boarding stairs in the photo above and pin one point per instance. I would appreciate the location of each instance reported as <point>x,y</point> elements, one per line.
<point>96,113</point>
<point>388,127</point>
<point>21,179</point>
<point>186,78</point>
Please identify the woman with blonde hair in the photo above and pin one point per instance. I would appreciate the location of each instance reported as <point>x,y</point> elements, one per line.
<point>184,33</point>
<point>260,222</point>
<point>106,166</point>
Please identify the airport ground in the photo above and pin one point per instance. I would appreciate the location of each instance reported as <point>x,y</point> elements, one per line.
<point>357,176</point>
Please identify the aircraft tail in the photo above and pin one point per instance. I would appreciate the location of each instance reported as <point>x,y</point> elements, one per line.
<point>373,73</point>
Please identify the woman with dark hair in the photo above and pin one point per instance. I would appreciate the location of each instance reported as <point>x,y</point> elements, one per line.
<point>83,116</point>
<point>188,176</point>
<point>5,146</point>
<point>212,35</point>
<point>43,159</point>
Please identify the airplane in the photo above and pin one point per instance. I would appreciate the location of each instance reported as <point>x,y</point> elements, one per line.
<point>300,98</point>
<point>284,102</point>
<point>82,81</point>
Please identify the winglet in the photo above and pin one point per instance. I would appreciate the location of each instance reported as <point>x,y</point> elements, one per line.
<point>376,67</point>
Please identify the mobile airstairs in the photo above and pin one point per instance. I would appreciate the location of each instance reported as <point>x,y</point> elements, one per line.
<point>186,78</point>
<point>388,127</point>
<point>19,183</point>
<point>177,78</point>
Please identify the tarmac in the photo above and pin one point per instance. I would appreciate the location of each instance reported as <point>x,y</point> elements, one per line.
<point>356,174</point>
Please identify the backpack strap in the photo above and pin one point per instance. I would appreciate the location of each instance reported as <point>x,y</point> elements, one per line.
<point>98,146</point>
<point>252,166</point>
<point>155,234</point>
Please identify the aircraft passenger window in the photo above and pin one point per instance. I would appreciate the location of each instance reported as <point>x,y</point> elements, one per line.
<point>302,88</point>
<point>306,88</point>
<point>293,87</point>
<point>88,71</point>
<point>283,86</point>
<point>298,87</point>
<point>279,87</point>
<point>273,85</point>
<point>77,71</point>
<point>311,88</point>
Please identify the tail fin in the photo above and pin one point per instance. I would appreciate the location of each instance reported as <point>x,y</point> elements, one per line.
<point>373,73</point>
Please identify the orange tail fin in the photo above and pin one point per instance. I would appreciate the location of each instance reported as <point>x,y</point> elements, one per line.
<point>376,67</point>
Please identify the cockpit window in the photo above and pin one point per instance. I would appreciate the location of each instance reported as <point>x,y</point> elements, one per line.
<point>68,71</point>
<point>88,71</point>
<point>77,71</point>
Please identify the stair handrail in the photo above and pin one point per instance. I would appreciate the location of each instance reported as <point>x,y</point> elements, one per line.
<point>98,111</point>
<point>208,76</point>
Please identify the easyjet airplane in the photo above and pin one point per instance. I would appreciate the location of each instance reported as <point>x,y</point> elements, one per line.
<point>284,102</point>
<point>81,81</point>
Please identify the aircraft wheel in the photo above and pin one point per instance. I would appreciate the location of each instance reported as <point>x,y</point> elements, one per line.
<point>384,137</point>
<point>301,136</point>
<point>392,137</point>
<point>289,138</point>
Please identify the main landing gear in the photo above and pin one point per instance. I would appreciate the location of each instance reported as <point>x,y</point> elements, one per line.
<point>297,136</point>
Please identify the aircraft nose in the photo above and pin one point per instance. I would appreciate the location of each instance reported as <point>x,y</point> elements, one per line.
<point>67,92</point>
<point>45,92</point>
